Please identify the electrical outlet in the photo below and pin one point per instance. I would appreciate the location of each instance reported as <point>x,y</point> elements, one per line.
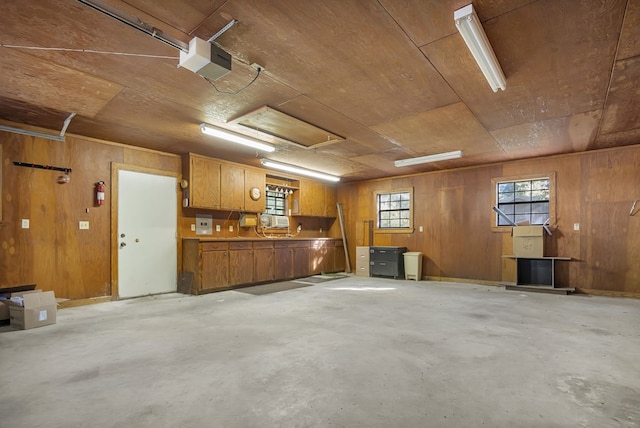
<point>83,225</point>
<point>576,226</point>
<point>217,228</point>
<point>193,227</point>
<point>230,228</point>
<point>25,223</point>
<point>320,230</point>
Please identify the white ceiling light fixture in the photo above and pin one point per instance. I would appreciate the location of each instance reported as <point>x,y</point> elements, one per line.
<point>298,170</point>
<point>236,138</point>
<point>474,36</point>
<point>430,158</point>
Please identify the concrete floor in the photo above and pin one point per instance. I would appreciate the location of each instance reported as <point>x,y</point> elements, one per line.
<point>353,352</point>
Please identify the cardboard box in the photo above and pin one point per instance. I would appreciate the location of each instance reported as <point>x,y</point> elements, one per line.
<point>528,241</point>
<point>6,292</point>
<point>38,309</point>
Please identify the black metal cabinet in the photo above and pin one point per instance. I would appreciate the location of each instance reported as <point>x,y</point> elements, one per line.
<point>387,261</point>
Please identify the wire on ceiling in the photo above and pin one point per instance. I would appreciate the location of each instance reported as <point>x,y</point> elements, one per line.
<point>239,90</point>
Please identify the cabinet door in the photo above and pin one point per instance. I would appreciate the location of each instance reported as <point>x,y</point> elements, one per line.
<point>301,262</point>
<point>231,187</point>
<point>215,270</point>
<point>254,178</point>
<point>204,182</point>
<point>318,257</point>
<point>240,267</point>
<point>283,263</point>
<point>263,267</point>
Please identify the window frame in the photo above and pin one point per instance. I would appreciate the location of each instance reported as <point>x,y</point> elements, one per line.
<point>551,176</point>
<point>376,194</point>
<point>276,196</point>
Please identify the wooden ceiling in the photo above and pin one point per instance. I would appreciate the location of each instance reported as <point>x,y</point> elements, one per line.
<point>392,78</point>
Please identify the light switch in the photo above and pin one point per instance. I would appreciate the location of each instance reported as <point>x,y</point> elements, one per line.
<point>217,228</point>
<point>421,229</point>
<point>576,226</point>
<point>230,228</point>
<point>25,223</point>
<point>193,227</point>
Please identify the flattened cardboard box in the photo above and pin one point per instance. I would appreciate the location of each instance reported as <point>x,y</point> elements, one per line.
<point>528,241</point>
<point>39,309</point>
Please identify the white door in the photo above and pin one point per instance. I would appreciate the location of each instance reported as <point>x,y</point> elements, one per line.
<point>147,226</point>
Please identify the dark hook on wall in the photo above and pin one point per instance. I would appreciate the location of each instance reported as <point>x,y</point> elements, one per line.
<point>38,166</point>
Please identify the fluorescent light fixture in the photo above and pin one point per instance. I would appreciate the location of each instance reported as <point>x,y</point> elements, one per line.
<point>298,170</point>
<point>235,138</point>
<point>474,36</point>
<point>431,158</point>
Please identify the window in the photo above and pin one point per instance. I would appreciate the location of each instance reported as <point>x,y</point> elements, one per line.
<point>524,199</point>
<point>394,210</point>
<point>276,202</point>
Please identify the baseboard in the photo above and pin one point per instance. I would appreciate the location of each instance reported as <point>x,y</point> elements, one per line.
<point>607,293</point>
<point>84,302</point>
<point>463,280</point>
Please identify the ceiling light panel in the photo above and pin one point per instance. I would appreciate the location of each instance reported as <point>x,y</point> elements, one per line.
<point>236,138</point>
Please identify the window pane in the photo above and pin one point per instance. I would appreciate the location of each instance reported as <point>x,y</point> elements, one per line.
<point>384,223</point>
<point>540,208</point>
<point>385,206</point>
<point>538,218</point>
<point>507,208</point>
<point>404,214</point>
<point>384,198</point>
<point>395,197</point>
<point>405,223</point>
<point>540,195</point>
<point>522,218</point>
<point>405,205</point>
<point>522,186</point>
<point>394,214</point>
<point>506,187</point>
<point>394,205</point>
<point>523,196</point>
<point>384,215</point>
<point>523,208</point>
<point>506,197</point>
<point>540,184</point>
<point>503,222</point>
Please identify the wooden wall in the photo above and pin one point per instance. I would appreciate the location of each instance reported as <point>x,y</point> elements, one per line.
<point>595,189</point>
<point>53,253</point>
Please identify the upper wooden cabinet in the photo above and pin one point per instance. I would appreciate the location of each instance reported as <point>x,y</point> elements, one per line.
<point>315,199</point>
<point>204,181</point>
<point>231,187</point>
<point>254,178</point>
<point>220,185</point>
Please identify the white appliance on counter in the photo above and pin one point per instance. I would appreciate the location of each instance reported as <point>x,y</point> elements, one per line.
<point>269,221</point>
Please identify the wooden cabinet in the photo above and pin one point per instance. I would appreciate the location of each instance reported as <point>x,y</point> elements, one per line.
<point>301,255</point>
<point>319,257</point>
<point>231,187</point>
<point>240,263</point>
<point>315,199</point>
<point>204,181</point>
<point>263,266</point>
<point>291,259</point>
<point>283,261</point>
<point>221,265</point>
<point>209,263</point>
<point>254,178</point>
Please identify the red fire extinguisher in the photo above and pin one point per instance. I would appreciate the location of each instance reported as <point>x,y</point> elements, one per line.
<point>100,192</point>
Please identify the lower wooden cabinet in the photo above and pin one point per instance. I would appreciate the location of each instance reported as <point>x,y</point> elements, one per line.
<point>263,266</point>
<point>222,265</point>
<point>240,263</point>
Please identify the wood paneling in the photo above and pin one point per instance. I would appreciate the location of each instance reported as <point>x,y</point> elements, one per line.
<point>263,261</point>
<point>240,263</point>
<point>53,253</point>
<point>594,190</point>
